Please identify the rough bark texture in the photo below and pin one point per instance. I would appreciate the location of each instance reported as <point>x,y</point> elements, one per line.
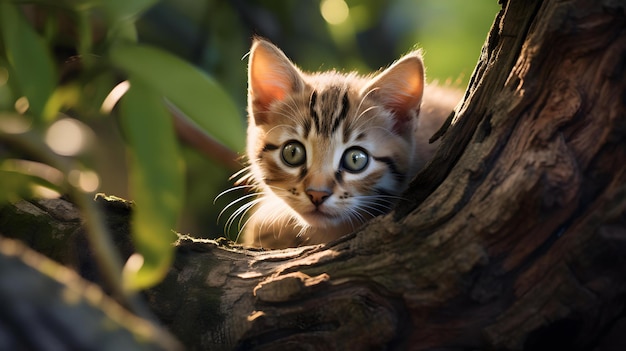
<point>514,237</point>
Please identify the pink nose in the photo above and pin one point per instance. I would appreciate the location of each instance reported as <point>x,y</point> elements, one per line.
<point>317,197</point>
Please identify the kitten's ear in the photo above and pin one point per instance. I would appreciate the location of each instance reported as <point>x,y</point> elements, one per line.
<point>400,88</point>
<point>271,76</point>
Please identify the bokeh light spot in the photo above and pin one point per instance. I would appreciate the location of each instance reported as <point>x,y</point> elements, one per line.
<point>22,105</point>
<point>87,180</point>
<point>334,11</point>
<point>67,137</point>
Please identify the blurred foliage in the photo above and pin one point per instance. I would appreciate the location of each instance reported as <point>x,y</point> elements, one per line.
<point>62,62</point>
<point>66,64</point>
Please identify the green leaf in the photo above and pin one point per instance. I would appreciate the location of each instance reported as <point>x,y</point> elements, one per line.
<point>193,92</point>
<point>14,186</point>
<point>68,95</point>
<point>156,182</point>
<point>30,59</point>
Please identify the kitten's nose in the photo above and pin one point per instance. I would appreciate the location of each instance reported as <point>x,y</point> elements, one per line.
<point>317,197</point>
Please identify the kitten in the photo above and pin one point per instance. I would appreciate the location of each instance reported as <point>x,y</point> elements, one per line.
<point>329,151</point>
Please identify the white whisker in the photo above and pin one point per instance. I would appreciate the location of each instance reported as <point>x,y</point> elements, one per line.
<point>231,190</point>
<point>366,111</point>
<point>364,209</point>
<point>292,128</point>
<point>375,205</point>
<point>241,211</point>
<point>392,199</point>
<point>239,172</point>
<point>244,215</point>
<point>232,203</point>
<point>353,216</point>
<point>356,113</point>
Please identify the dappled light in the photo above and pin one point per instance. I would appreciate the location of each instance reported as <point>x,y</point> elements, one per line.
<point>68,137</point>
<point>12,123</point>
<point>365,210</point>
<point>50,174</point>
<point>92,99</point>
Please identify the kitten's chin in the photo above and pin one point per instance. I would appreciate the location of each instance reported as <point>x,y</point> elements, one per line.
<point>320,219</point>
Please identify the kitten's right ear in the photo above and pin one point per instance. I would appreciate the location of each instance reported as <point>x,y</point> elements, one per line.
<point>271,76</point>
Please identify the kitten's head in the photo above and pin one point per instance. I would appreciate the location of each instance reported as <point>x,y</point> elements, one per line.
<point>337,149</point>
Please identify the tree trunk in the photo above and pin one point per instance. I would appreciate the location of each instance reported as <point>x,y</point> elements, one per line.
<point>514,237</point>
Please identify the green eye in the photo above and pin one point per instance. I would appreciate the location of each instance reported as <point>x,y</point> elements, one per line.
<point>293,154</point>
<point>355,160</point>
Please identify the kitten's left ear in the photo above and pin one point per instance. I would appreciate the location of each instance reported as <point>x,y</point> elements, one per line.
<point>400,88</point>
<point>271,77</point>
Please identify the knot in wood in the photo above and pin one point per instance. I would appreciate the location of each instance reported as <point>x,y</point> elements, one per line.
<point>285,287</point>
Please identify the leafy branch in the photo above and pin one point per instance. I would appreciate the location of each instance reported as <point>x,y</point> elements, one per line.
<point>110,65</point>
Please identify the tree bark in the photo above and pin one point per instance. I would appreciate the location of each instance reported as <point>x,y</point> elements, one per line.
<point>514,237</point>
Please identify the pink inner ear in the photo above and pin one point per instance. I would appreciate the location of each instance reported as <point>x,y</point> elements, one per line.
<point>403,94</point>
<point>267,83</point>
<point>272,76</point>
<point>268,93</point>
<point>407,99</point>
<point>400,89</point>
